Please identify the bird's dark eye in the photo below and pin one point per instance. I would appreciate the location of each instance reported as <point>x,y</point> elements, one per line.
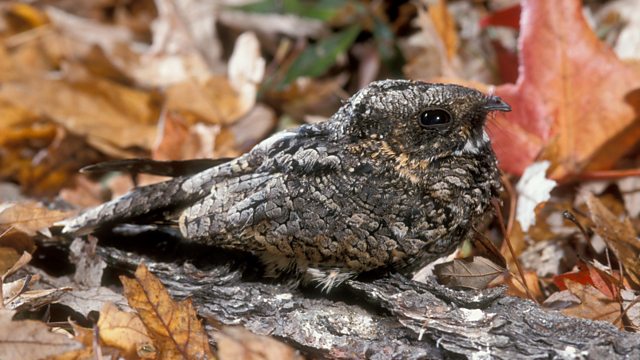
<point>434,118</point>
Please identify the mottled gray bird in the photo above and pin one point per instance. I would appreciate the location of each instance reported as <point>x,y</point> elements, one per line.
<point>395,179</point>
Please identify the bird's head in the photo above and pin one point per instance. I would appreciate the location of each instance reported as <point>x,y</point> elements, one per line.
<point>420,122</point>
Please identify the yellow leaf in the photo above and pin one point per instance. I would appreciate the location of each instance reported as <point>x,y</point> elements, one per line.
<point>124,331</point>
<point>173,325</point>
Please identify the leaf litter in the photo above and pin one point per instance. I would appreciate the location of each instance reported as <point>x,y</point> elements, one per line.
<point>175,80</point>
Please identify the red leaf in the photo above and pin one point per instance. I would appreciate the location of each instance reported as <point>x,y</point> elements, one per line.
<point>590,275</point>
<point>507,17</point>
<point>507,62</point>
<point>569,97</point>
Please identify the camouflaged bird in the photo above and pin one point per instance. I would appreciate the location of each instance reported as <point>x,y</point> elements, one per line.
<point>395,179</point>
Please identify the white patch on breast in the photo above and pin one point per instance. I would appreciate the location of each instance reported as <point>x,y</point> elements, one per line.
<point>473,146</point>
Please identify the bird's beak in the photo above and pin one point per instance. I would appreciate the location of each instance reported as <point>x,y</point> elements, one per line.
<point>494,103</point>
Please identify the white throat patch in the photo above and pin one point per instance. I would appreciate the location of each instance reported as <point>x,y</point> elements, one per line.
<point>473,146</point>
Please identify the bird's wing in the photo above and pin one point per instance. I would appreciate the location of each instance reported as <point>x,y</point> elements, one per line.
<point>285,166</point>
<point>142,203</point>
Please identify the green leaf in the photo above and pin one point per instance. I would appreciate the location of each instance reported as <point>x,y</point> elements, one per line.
<point>385,41</point>
<point>316,59</point>
<point>323,10</point>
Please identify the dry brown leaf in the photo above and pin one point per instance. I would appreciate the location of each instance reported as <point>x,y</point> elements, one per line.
<point>180,140</point>
<point>85,193</point>
<point>473,273</point>
<point>432,52</point>
<point>214,100</point>
<point>445,26</point>
<point>253,127</point>
<point>22,261</point>
<point>239,343</point>
<point>8,257</point>
<point>619,235</point>
<point>176,52</point>
<point>274,25</point>
<point>29,217</point>
<point>318,96</point>
<point>126,332</point>
<point>174,326</point>
<point>86,338</point>
<point>593,304</point>
<point>14,288</point>
<point>246,69</point>
<point>105,112</point>
<point>82,33</point>
<point>12,244</point>
<point>515,286</point>
<point>29,339</point>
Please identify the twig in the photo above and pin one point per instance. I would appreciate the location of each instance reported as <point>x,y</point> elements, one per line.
<point>511,250</point>
<point>512,202</point>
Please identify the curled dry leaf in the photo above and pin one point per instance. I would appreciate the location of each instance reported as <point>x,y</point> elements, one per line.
<point>12,290</point>
<point>174,326</point>
<point>619,235</point>
<point>22,261</point>
<point>431,52</point>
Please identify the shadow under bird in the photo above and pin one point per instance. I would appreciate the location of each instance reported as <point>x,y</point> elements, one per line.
<point>395,179</point>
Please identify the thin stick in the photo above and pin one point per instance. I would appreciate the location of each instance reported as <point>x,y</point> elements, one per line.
<point>609,174</point>
<point>626,309</point>
<point>496,205</point>
<point>512,202</point>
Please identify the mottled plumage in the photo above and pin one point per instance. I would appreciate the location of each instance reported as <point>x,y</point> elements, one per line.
<point>386,182</point>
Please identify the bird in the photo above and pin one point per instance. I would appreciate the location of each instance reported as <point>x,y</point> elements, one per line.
<point>397,178</point>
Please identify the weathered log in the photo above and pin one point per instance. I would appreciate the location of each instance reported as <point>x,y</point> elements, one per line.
<point>391,317</point>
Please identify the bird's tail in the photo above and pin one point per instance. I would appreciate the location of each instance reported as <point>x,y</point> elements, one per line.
<point>144,202</point>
